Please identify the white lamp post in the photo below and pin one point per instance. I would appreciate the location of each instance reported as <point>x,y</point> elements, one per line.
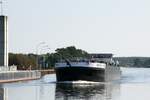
<point>43,49</point>
<point>37,47</point>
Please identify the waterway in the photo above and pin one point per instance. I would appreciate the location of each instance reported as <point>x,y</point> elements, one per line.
<point>134,85</point>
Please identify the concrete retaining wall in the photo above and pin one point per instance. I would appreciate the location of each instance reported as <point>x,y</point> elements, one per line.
<point>10,76</point>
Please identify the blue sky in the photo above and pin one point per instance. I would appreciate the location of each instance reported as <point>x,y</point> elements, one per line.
<point>121,27</point>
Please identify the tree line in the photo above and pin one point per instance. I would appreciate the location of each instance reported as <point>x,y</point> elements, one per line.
<point>134,61</point>
<point>44,61</point>
<point>47,61</point>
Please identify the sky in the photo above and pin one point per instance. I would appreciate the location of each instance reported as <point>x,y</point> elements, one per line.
<point>121,27</point>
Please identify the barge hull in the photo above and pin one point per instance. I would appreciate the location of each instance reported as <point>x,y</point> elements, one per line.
<point>110,73</point>
<point>80,73</point>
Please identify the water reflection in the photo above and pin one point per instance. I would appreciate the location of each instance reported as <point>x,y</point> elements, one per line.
<point>49,91</point>
<point>2,94</point>
<point>135,83</point>
<point>28,92</point>
<point>107,91</point>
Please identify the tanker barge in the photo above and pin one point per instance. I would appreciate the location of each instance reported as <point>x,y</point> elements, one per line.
<point>96,68</point>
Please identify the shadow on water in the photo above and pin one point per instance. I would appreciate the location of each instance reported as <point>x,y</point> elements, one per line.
<point>106,91</point>
<point>2,94</point>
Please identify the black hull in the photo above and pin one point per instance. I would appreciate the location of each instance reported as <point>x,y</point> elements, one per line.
<point>80,73</point>
<point>87,74</point>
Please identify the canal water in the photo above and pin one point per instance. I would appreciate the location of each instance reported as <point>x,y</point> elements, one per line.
<point>134,85</point>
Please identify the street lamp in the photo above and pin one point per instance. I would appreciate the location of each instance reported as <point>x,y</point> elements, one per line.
<point>43,56</point>
<point>37,47</point>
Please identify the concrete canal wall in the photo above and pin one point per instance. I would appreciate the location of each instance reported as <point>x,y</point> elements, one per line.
<point>11,74</point>
<point>48,71</point>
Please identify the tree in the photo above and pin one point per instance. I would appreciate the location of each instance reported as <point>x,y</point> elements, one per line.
<point>70,52</point>
<point>22,61</point>
<point>146,63</point>
<point>25,61</point>
<point>67,53</point>
<point>137,62</point>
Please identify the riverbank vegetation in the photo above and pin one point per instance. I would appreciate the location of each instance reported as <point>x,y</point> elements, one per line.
<point>47,61</point>
<point>44,61</point>
<point>134,61</point>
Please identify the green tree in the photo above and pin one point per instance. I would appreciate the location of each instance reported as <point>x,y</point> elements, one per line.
<point>25,61</point>
<point>137,62</point>
<point>22,61</point>
<point>146,63</point>
<point>70,52</point>
<point>67,53</point>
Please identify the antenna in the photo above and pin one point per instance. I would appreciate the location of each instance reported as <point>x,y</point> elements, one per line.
<point>1,3</point>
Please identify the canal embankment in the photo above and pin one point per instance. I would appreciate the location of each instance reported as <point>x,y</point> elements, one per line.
<point>47,71</point>
<point>11,74</point>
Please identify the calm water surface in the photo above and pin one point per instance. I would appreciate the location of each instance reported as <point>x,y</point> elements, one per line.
<point>134,85</point>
